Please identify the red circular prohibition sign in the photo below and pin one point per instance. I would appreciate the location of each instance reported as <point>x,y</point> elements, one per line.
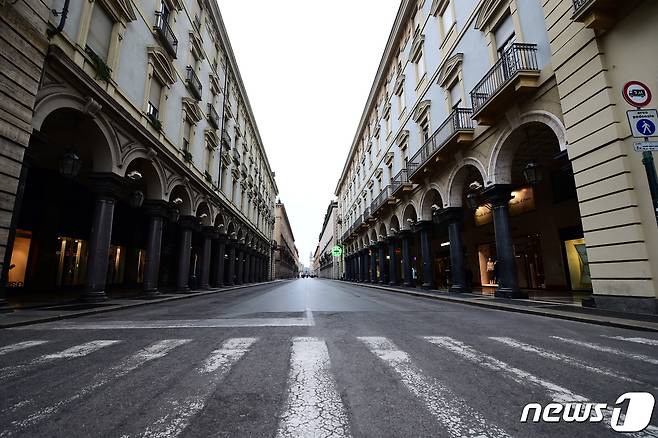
<point>629,99</point>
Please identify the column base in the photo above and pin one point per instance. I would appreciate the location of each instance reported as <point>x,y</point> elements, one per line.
<point>4,306</point>
<point>458,289</point>
<point>427,286</point>
<point>393,283</point>
<point>229,284</point>
<point>94,296</point>
<point>506,292</point>
<point>183,289</point>
<point>408,284</point>
<point>149,293</point>
<point>617,303</point>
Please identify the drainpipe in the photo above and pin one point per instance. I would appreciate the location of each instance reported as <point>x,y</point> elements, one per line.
<point>221,134</point>
<point>62,20</point>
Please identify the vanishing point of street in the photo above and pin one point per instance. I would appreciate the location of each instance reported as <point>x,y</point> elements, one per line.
<point>312,357</point>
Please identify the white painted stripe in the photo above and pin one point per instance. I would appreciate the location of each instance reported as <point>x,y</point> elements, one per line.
<point>610,350</point>
<point>20,346</point>
<point>313,406</point>
<point>177,324</point>
<point>644,341</point>
<point>563,358</point>
<point>557,393</point>
<point>70,353</point>
<point>131,363</point>
<point>453,413</point>
<point>180,411</point>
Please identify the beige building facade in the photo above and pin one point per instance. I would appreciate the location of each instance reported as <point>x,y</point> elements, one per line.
<point>142,152</point>
<point>482,160</point>
<point>286,256</point>
<point>325,265</point>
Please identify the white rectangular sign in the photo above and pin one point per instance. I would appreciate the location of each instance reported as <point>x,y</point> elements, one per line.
<point>643,123</point>
<point>641,146</point>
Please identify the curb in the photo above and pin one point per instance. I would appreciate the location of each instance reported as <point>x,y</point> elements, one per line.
<point>565,315</point>
<point>132,305</point>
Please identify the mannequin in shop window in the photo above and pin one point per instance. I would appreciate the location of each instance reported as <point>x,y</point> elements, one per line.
<point>491,271</point>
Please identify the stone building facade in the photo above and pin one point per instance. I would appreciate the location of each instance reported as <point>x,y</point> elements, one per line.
<point>474,165</point>
<point>286,256</point>
<point>326,265</point>
<point>142,152</point>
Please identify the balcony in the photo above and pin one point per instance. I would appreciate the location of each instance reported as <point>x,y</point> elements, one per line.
<point>600,14</point>
<point>357,223</point>
<point>401,182</point>
<point>165,34</point>
<point>193,83</point>
<point>383,199</point>
<point>457,129</point>
<point>213,117</point>
<point>514,74</point>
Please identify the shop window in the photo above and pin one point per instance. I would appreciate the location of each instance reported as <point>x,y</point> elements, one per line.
<point>141,264</point>
<point>72,261</point>
<point>116,265</point>
<point>19,257</point>
<point>578,265</point>
<point>100,32</point>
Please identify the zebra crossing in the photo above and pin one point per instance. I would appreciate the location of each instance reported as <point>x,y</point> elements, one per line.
<point>313,404</point>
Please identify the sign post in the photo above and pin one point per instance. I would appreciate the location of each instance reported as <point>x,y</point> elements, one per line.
<point>643,124</point>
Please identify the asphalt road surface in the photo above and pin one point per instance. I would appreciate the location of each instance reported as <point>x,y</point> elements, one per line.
<point>315,358</point>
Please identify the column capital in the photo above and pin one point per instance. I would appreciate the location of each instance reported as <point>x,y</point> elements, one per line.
<point>422,225</point>
<point>208,231</point>
<point>108,184</point>
<point>450,214</point>
<point>221,236</point>
<point>498,194</point>
<point>156,208</point>
<point>392,238</point>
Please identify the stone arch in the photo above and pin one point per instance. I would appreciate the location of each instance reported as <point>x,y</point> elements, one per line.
<point>153,178</point>
<point>106,152</point>
<point>382,231</point>
<point>220,221</point>
<point>204,214</point>
<point>394,224</point>
<point>181,198</point>
<point>230,230</point>
<point>409,213</point>
<point>373,236</point>
<point>502,154</point>
<point>457,179</point>
<point>431,197</point>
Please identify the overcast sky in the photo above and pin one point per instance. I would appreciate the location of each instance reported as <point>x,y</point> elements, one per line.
<point>308,66</point>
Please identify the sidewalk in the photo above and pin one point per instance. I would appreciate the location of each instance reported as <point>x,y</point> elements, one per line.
<point>36,315</point>
<point>549,309</point>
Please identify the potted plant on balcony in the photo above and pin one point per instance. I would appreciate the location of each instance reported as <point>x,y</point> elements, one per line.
<point>187,156</point>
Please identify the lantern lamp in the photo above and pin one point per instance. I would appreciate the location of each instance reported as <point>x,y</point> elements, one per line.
<point>70,164</point>
<point>532,172</point>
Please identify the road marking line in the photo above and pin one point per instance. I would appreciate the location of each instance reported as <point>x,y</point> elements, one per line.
<point>131,363</point>
<point>610,350</point>
<point>454,413</point>
<point>557,393</point>
<point>563,358</point>
<point>20,346</point>
<point>70,353</point>
<point>313,406</point>
<point>644,341</point>
<point>181,410</point>
<point>177,324</point>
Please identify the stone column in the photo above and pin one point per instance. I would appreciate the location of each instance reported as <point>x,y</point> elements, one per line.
<point>252,267</point>
<point>350,267</point>
<point>239,264</point>
<point>247,265</point>
<point>373,264</point>
<point>220,251</point>
<point>383,277</point>
<point>366,265</point>
<point>426,254</point>
<point>107,189</point>
<point>499,196</point>
<point>187,224</point>
<point>363,258</point>
<point>406,258</point>
<point>230,280</point>
<point>157,212</point>
<point>454,217</point>
<point>393,265</point>
<point>207,233</point>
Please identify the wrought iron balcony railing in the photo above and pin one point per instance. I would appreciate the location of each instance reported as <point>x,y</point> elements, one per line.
<point>193,83</point>
<point>166,35</point>
<point>213,117</point>
<point>518,58</point>
<point>458,120</point>
<point>358,222</point>
<point>381,199</point>
<point>398,180</point>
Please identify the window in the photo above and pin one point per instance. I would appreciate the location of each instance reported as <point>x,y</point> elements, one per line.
<point>387,122</point>
<point>401,100</point>
<point>187,132</point>
<point>155,94</point>
<point>455,95</point>
<point>504,35</point>
<point>420,67</point>
<point>100,32</point>
<point>424,125</point>
<point>447,19</point>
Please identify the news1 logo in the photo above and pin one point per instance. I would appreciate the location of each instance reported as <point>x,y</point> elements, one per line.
<point>635,419</point>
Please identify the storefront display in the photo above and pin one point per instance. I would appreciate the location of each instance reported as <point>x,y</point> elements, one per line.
<point>577,262</point>
<point>72,261</point>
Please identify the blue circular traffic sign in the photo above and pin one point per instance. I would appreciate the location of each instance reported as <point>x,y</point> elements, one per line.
<point>646,127</point>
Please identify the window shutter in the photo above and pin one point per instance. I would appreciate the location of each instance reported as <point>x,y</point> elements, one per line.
<point>155,93</point>
<point>455,95</point>
<point>100,31</point>
<point>504,32</point>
